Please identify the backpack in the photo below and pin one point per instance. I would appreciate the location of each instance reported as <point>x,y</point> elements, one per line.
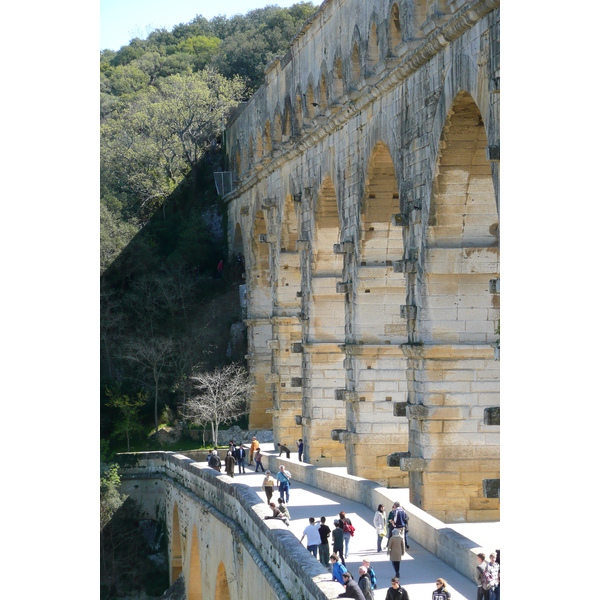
<point>400,518</point>
<point>214,462</point>
<point>488,578</point>
<point>348,527</point>
<point>371,574</point>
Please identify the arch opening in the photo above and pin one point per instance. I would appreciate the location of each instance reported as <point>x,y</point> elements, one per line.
<point>372,48</point>
<point>222,587</point>
<point>338,79</point>
<point>268,145</point>
<point>310,102</point>
<point>395,31</point>
<point>323,101</point>
<point>176,555</point>
<point>355,64</point>
<point>195,577</point>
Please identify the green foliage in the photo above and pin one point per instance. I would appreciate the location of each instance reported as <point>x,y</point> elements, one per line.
<point>110,497</point>
<point>129,407</point>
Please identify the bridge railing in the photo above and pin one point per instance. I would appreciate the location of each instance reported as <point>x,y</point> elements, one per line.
<point>294,567</point>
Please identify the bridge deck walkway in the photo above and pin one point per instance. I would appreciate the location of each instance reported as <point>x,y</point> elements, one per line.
<point>419,568</point>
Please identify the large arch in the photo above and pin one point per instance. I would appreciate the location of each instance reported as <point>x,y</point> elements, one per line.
<point>325,332</point>
<point>378,329</point>
<point>194,579</point>
<point>458,312</point>
<point>380,291</point>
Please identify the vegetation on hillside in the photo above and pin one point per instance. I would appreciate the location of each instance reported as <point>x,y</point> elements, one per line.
<point>164,103</point>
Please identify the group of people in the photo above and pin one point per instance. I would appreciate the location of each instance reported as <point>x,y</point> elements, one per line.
<point>236,455</point>
<point>283,481</point>
<point>394,530</point>
<point>488,576</point>
<point>299,445</point>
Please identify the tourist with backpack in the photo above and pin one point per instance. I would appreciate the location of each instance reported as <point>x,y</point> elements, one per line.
<point>400,520</point>
<point>479,577</point>
<point>348,530</point>
<point>364,583</point>
<point>441,592</point>
<point>370,573</point>
<point>258,460</point>
<point>337,535</point>
<point>491,577</point>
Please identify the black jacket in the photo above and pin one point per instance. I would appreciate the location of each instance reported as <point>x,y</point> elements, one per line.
<point>352,591</point>
<point>399,594</point>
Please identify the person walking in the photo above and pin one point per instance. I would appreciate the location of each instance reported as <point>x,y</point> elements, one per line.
<point>282,449</point>
<point>493,577</point>
<point>214,462</point>
<point>268,485</point>
<point>230,463</point>
<point>313,539</point>
<point>284,477</point>
<point>300,445</point>
<point>352,589</point>
<point>379,523</point>
<point>258,460</point>
<point>240,455</point>
<point>400,520</point>
<point>364,583</point>
<point>479,578</point>
<point>390,523</point>
<point>396,592</point>
<point>337,568</point>
<point>324,553</point>
<point>277,514</point>
<point>348,530</point>
<point>441,591</point>
<point>338,540</point>
<point>253,447</point>
<point>366,563</point>
<point>283,508</point>
<point>396,550</point>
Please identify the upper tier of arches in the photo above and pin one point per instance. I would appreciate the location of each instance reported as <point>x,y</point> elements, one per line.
<point>297,91</point>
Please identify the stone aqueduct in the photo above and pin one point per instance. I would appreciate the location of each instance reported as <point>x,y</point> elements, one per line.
<point>366,204</point>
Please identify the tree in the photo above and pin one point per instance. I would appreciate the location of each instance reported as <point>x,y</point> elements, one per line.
<point>153,357</point>
<point>130,408</point>
<point>150,143</point>
<point>221,397</point>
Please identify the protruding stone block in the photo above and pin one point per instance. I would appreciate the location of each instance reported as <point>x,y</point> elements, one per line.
<point>492,153</point>
<point>400,409</point>
<point>267,238</point>
<point>269,203</point>
<point>494,286</point>
<point>342,287</point>
<point>302,245</point>
<point>398,220</point>
<point>343,248</point>
<point>273,344</point>
<point>296,382</point>
<point>298,419</point>
<point>297,348</point>
<point>417,412</point>
<point>405,266</point>
<point>297,197</point>
<point>339,435</point>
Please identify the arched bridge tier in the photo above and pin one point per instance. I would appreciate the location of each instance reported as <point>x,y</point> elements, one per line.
<point>366,204</point>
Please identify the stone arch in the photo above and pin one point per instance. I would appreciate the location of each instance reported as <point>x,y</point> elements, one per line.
<point>298,113</point>
<point>176,546</point>
<point>380,291</point>
<point>238,241</point>
<point>287,119</point>
<point>338,78</point>
<point>462,236</point>
<point>395,31</point>
<point>310,100</point>
<point>326,331</point>
<point>372,47</point>
<point>259,144</point>
<point>194,579</point>
<point>268,145</point>
<point>222,585</point>
<point>289,226</point>
<point>277,131</point>
<point>323,98</point>
<point>260,276</point>
<point>355,64</point>
<point>250,153</point>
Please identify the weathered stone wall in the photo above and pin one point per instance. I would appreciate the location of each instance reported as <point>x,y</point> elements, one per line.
<point>218,537</point>
<point>368,212</point>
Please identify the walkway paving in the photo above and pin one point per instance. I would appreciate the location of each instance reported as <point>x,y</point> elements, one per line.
<point>419,568</point>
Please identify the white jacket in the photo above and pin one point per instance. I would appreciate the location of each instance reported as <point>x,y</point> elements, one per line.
<point>379,522</point>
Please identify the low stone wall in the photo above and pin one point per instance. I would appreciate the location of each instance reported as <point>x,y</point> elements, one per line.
<point>450,546</point>
<point>292,565</point>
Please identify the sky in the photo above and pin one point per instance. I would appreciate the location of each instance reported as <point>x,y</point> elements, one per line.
<point>122,20</point>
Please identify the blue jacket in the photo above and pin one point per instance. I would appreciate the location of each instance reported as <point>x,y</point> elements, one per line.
<point>338,570</point>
